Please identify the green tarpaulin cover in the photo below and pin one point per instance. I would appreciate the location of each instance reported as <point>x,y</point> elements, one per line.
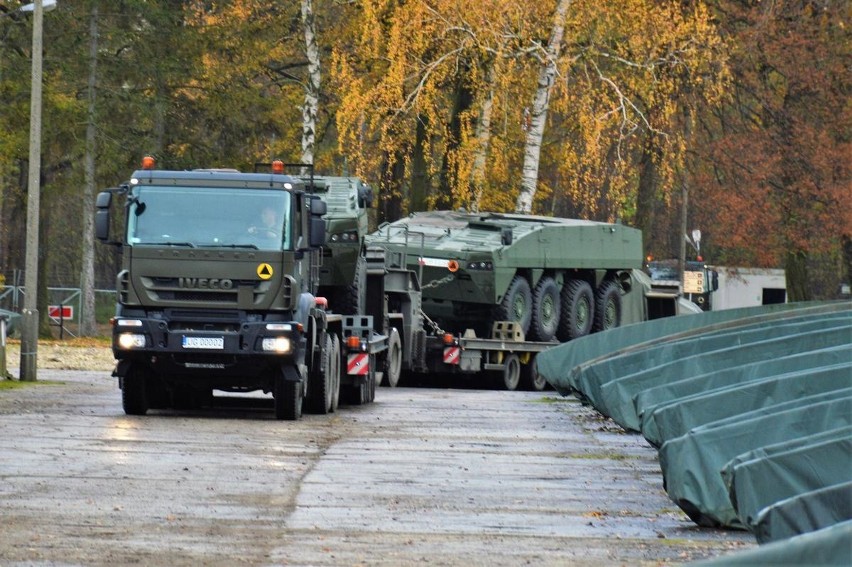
<point>682,414</point>
<point>691,464</point>
<point>827,547</point>
<point>803,513</point>
<point>662,398</point>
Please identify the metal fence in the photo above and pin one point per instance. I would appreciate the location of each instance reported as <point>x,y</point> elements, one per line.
<point>64,307</point>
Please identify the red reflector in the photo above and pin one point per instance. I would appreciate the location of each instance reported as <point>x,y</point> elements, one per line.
<point>452,355</point>
<point>358,364</point>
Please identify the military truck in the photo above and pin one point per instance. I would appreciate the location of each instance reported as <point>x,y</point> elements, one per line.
<point>213,295</point>
<point>347,200</point>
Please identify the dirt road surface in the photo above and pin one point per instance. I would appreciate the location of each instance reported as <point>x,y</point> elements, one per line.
<point>424,476</point>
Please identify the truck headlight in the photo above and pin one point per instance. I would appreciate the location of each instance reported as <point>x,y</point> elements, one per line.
<point>131,340</point>
<point>280,345</point>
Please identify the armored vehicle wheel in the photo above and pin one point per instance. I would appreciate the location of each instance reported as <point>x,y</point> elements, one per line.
<point>320,391</point>
<point>608,306</point>
<point>393,360</point>
<point>546,310</point>
<point>578,310</point>
<point>510,376</point>
<point>335,372</point>
<point>517,304</point>
<point>531,379</point>
<point>134,394</point>
<point>288,397</point>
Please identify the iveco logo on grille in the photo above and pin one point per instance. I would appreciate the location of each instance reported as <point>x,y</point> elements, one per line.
<point>205,283</point>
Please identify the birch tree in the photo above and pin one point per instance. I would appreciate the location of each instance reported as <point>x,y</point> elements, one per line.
<point>312,85</point>
<point>538,111</point>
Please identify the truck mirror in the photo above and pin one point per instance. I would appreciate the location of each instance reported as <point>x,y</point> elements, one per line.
<point>506,236</point>
<point>365,196</point>
<point>318,206</point>
<point>715,280</point>
<point>103,201</point>
<point>317,236</point>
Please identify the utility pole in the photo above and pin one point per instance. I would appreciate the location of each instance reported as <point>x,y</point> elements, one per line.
<point>29,316</point>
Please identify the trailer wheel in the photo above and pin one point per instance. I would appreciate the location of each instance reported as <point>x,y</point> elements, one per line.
<point>509,378</point>
<point>517,304</point>
<point>335,372</point>
<point>288,397</point>
<point>134,394</point>
<point>578,310</point>
<point>546,310</point>
<point>608,306</point>
<point>320,393</point>
<point>393,360</point>
<point>530,377</point>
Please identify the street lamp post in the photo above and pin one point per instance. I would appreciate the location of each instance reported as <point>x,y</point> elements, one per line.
<point>29,316</point>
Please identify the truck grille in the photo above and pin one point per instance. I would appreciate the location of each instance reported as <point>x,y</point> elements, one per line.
<point>169,289</point>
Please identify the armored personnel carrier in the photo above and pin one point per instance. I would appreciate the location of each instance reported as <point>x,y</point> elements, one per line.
<point>347,200</point>
<point>557,279</point>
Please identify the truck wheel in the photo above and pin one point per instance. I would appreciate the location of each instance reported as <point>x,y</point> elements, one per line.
<point>393,360</point>
<point>517,304</point>
<point>608,306</point>
<point>546,310</point>
<point>578,310</point>
<point>320,393</point>
<point>134,394</point>
<point>288,397</point>
<point>511,374</point>
<point>531,379</point>
<point>335,372</point>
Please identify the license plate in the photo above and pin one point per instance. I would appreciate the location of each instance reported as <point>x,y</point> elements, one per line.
<point>214,343</point>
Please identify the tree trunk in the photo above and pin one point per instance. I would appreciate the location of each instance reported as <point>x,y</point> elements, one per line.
<point>312,87</point>
<point>88,325</point>
<point>419,190</point>
<point>538,112</point>
<point>462,101</point>
<point>483,140</point>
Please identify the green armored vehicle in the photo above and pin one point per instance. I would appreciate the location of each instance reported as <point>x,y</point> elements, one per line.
<point>558,279</point>
<point>348,200</point>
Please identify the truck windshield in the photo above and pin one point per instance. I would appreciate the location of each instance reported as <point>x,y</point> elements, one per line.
<point>218,217</point>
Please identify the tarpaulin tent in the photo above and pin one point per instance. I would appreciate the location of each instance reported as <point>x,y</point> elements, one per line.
<point>558,365</point>
<point>827,547</point>
<point>806,512</point>
<point>659,398</point>
<point>691,463</point>
<point>682,414</point>
<point>758,483</point>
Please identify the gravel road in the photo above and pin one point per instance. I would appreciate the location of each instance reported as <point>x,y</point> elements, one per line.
<point>425,476</point>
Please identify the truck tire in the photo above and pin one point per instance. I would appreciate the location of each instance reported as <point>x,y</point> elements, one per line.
<point>335,372</point>
<point>510,376</point>
<point>531,379</point>
<point>319,397</point>
<point>517,304</point>
<point>578,310</point>
<point>393,360</point>
<point>546,310</point>
<point>608,306</point>
<point>288,397</point>
<point>134,393</point>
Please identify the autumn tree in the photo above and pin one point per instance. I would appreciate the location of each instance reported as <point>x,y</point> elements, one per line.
<point>775,189</point>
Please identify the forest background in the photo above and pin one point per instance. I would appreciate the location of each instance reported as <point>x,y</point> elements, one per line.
<point>729,116</point>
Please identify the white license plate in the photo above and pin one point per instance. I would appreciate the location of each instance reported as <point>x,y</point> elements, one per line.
<point>214,343</point>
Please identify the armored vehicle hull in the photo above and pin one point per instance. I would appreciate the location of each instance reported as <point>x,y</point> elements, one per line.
<point>558,278</point>
<point>347,200</point>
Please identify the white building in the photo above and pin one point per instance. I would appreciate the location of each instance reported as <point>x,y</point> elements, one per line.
<point>748,287</point>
